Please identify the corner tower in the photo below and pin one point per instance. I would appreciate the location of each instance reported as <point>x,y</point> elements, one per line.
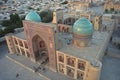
<point>82,31</point>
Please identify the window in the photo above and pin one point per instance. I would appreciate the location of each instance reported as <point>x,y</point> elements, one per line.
<point>26,46</point>
<point>70,72</point>
<point>15,41</point>
<point>23,52</point>
<point>81,65</point>
<point>28,55</point>
<point>61,59</point>
<point>20,43</point>
<point>80,75</point>
<point>18,50</point>
<point>41,44</point>
<point>61,68</point>
<point>71,61</point>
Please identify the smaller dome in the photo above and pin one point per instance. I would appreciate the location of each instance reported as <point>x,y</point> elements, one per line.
<point>33,16</point>
<point>83,26</point>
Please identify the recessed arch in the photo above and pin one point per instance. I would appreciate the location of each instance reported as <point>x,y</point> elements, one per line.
<point>39,48</point>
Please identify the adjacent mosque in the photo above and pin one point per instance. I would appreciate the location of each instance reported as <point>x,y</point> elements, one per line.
<point>76,51</point>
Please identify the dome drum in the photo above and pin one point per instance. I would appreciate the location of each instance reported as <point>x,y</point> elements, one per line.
<point>81,41</point>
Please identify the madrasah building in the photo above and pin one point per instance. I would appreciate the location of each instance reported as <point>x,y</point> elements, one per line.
<point>75,51</point>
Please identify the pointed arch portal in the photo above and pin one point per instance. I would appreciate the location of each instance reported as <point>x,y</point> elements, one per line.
<point>40,49</point>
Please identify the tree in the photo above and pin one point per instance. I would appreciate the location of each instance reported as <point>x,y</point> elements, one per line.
<point>6,23</point>
<point>1,33</point>
<point>14,18</point>
<point>46,16</point>
<point>14,22</point>
<point>30,7</point>
<point>65,2</point>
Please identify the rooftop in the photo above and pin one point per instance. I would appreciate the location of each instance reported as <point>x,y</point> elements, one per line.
<point>20,35</point>
<point>93,51</point>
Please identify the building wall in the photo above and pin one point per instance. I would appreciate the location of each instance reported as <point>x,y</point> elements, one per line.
<point>64,28</point>
<point>46,33</point>
<point>21,46</point>
<point>10,43</point>
<point>17,45</point>
<point>76,68</point>
<point>111,5</point>
<point>97,22</point>
<point>85,15</point>
<point>93,72</point>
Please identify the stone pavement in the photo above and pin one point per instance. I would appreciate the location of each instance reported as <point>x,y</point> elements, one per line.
<point>26,63</point>
<point>110,69</point>
<point>9,69</point>
<point>113,51</point>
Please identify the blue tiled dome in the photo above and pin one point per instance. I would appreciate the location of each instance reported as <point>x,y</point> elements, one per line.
<point>33,16</point>
<point>83,26</point>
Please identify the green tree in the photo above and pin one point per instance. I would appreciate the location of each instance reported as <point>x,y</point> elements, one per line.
<point>9,29</point>
<point>30,8</point>
<point>14,22</point>
<point>65,2</point>
<point>46,16</point>
<point>14,18</point>
<point>6,23</point>
<point>1,33</point>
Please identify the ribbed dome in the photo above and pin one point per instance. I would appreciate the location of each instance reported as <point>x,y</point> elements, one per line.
<point>33,16</point>
<point>83,26</point>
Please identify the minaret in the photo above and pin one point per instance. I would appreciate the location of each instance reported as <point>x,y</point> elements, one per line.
<point>57,14</point>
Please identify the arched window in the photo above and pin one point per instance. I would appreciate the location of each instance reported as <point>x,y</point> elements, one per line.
<point>41,44</point>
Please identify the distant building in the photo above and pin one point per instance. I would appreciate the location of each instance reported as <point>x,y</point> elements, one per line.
<point>112,6</point>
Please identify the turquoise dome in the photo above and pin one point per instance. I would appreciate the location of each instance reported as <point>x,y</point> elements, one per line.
<point>33,16</point>
<point>83,26</point>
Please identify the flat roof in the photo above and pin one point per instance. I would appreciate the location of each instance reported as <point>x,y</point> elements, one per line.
<point>20,35</point>
<point>92,52</point>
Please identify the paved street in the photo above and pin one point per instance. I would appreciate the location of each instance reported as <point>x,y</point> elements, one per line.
<point>9,69</point>
<point>111,69</point>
